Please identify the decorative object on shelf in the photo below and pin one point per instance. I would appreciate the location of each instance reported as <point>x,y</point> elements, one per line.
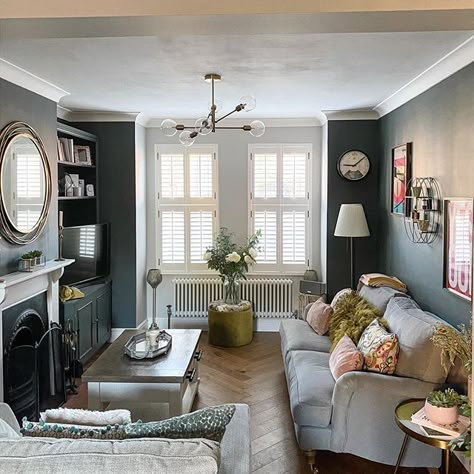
<point>231,261</point>
<point>351,223</point>
<point>458,227</point>
<point>169,313</point>
<point>82,155</point>
<point>205,125</point>
<point>310,275</point>
<point>23,159</point>
<point>401,174</point>
<point>90,190</point>
<point>67,293</point>
<point>154,278</point>
<point>139,346</point>
<point>353,165</point>
<point>230,325</point>
<point>441,406</point>
<point>82,186</point>
<point>423,210</point>
<point>60,236</point>
<point>31,261</point>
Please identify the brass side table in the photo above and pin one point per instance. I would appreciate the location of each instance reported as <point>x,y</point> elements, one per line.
<point>403,414</point>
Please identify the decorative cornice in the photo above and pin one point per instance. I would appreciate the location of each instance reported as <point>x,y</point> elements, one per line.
<point>97,116</point>
<point>351,114</point>
<point>452,62</point>
<point>269,122</point>
<point>19,76</point>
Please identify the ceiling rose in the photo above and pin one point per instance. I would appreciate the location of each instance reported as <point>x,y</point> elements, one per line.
<point>209,124</point>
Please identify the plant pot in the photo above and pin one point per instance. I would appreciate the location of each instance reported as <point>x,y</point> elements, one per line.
<point>231,328</point>
<point>441,415</point>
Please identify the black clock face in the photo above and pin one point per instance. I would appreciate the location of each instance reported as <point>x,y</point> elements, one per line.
<point>353,165</point>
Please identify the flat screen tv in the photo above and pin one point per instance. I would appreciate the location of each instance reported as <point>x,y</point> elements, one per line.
<point>89,246</point>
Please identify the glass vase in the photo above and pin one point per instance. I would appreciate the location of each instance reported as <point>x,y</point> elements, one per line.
<point>231,291</point>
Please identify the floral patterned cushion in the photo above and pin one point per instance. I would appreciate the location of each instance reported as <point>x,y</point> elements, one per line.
<point>57,430</point>
<point>380,349</point>
<point>208,423</point>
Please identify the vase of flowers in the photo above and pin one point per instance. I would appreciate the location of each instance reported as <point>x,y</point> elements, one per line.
<point>231,262</point>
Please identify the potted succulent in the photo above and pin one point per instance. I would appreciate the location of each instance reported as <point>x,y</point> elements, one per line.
<point>30,260</point>
<point>441,406</point>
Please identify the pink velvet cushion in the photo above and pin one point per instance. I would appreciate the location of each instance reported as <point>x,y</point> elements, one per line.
<point>345,358</point>
<point>318,316</point>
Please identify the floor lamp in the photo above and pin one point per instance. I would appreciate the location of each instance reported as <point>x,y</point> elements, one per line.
<point>351,222</point>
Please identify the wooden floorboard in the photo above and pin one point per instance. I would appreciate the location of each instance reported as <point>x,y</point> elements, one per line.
<point>254,375</point>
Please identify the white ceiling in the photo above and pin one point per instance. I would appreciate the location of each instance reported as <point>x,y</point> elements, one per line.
<point>292,75</point>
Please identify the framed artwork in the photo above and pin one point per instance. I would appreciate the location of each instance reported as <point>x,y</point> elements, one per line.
<point>401,174</point>
<point>82,155</point>
<point>458,224</point>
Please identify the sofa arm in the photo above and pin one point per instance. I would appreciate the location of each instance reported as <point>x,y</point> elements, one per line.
<point>363,417</point>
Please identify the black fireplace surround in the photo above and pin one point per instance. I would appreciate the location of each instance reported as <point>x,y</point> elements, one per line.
<point>33,373</point>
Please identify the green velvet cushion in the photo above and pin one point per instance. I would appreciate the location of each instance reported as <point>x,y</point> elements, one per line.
<point>208,423</point>
<point>351,316</point>
<point>56,430</point>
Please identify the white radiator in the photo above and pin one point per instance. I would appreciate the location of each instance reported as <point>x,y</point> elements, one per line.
<point>271,298</point>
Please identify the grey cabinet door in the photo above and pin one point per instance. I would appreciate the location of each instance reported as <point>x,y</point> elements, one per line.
<point>87,326</point>
<point>104,317</point>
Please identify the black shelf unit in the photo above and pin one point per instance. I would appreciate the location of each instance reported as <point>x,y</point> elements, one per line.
<point>79,210</point>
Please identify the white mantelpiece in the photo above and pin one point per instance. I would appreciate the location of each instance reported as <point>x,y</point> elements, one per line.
<point>20,286</point>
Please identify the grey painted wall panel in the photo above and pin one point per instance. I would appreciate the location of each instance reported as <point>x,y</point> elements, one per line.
<point>346,135</point>
<point>117,206</point>
<point>440,125</point>
<point>20,104</point>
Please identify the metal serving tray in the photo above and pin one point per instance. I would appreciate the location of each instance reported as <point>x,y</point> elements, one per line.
<point>138,348</point>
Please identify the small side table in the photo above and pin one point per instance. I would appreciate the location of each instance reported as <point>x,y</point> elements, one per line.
<point>403,414</point>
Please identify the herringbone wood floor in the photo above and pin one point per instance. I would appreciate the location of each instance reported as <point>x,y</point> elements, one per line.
<point>254,375</point>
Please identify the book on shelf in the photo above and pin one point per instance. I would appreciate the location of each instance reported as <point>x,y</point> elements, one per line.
<point>453,430</point>
<point>68,145</point>
<point>61,156</point>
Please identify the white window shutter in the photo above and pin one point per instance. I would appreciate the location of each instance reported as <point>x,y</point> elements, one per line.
<point>265,176</point>
<point>266,222</point>
<point>294,237</point>
<point>201,176</point>
<point>172,237</point>
<point>201,230</point>
<point>294,175</point>
<point>172,176</point>
<point>29,176</point>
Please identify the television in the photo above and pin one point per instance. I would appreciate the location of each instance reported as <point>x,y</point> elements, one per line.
<point>89,246</point>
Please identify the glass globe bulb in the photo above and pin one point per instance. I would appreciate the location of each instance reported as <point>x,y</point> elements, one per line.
<point>257,128</point>
<point>249,102</point>
<point>203,126</point>
<point>168,127</point>
<point>185,138</point>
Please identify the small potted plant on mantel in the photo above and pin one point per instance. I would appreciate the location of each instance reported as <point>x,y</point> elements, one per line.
<point>31,260</point>
<point>442,406</point>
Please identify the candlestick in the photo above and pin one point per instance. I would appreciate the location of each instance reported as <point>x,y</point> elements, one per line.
<point>60,237</point>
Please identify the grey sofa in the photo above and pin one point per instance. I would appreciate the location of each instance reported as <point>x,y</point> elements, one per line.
<point>356,413</point>
<point>66,456</point>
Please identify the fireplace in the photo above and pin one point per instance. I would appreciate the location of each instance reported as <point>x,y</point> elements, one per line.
<point>33,377</point>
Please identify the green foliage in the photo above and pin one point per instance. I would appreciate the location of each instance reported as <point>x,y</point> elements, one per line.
<point>463,442</point>
<point>32,254</point>
<point>351,317</point>
<point>230,260</point>
<point>446,398</point>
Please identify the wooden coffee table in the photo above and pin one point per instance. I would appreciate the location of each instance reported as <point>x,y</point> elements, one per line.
<point>171,380</point>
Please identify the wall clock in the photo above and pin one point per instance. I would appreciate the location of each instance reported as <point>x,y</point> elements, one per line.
<point>353,165</point>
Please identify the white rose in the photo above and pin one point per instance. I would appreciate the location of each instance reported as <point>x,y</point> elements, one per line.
<point>233,257</point>
<point>253,253</point>
<point>248,260</point>
<point>207,256</point>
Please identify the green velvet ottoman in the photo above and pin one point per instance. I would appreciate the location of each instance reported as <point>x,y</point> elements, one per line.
<point>230,328</point>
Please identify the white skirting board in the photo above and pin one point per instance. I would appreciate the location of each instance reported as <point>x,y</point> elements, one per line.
<point>116,332</point>
<point>261,324</point>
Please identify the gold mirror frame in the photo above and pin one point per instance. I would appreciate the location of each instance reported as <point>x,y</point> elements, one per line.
<point>12,131</point>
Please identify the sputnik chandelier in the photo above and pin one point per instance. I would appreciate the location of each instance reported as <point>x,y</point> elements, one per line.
<point>206,125</point>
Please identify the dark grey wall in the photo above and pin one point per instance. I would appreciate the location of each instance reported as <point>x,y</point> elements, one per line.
<point>117,206</point>
<point>16,104</point>
<point>440,124</point>
<point>346,135</point>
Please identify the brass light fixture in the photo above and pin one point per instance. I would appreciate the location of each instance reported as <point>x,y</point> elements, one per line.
<point>209,124</point>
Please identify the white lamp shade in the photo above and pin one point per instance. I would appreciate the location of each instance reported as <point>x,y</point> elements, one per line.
<point>351,221</point>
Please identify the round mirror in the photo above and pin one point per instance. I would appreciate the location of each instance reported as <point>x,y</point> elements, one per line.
<point>25,183</point>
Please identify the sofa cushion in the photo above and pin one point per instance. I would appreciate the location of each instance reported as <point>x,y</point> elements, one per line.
<point>379,297</point>
<point>67,456</point>
<point>318,316</point>
<point>418,358</point>
<point>297,335</point>
<point>311,385</point>
<point>345,358</point>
